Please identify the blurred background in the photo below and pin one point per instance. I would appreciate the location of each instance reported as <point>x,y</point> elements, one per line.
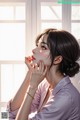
<point>20,22</point>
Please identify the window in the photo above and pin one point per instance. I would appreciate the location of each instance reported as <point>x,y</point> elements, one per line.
<point>12,49</point>
<point>75,20</point>
<point>75,29</point>
<point>51,15</point>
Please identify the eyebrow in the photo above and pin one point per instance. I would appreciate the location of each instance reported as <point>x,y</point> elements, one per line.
<point>44,43</point>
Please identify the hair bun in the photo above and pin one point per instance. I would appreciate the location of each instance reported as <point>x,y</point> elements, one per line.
<point>72,69</point>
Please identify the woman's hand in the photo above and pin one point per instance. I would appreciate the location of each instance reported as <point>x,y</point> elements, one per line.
<point>38,73</point>
<point>28,62</point>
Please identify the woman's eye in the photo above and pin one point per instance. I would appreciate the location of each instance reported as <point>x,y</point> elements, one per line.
<point>43,47</point>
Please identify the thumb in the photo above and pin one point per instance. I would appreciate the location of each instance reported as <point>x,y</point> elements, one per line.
<point>28,62</point>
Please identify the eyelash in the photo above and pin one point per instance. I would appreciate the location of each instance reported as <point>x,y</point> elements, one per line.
<point>42,46</point>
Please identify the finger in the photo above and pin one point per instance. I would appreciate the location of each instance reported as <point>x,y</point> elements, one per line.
<point>45,70</point>
<point>28,63</point>
<point>26,60</point>
<point>30,59</point>
<point>42,68</point>
<point>36,67</point>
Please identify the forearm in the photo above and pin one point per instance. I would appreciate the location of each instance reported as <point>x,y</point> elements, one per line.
<point>37,75</point>
<point>24,110</point>
<point>18,98</point>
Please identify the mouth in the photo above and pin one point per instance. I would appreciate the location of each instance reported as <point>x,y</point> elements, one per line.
<point>33,58</point>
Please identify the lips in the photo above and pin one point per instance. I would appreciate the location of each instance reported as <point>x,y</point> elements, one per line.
<point>33,58</point>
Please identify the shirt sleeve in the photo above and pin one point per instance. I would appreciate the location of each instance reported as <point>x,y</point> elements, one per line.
<point>57,108</point>
<point>12,114</point>
<point>36,100</point>
<point>34,106</point>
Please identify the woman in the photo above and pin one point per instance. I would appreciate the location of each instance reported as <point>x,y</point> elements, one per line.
<point>53,98</point>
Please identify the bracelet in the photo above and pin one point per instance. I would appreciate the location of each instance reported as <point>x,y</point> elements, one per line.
<point>30,95</point>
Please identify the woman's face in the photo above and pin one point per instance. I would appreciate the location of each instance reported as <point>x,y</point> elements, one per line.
<point>42,52</point>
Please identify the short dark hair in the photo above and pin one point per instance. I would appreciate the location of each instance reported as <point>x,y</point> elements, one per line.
<point>61,42</point>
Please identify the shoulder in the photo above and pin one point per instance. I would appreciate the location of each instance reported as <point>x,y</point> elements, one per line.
<point>62,100</point>
<point>66,101</point>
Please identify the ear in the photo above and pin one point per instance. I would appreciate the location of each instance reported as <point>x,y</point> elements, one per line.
<point>58,59</point>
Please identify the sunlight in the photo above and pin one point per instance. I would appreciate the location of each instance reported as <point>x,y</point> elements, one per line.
<point>12,38</point>
<point>6,13</point>
<point>51,12</point>
<point>11,78</point>
<point>20,13</point>
<point>12,48</point>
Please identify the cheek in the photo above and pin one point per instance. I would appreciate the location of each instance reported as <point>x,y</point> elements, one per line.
<point>44,54</point>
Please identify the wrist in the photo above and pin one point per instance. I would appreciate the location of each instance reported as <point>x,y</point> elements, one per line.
<point>31,89</point>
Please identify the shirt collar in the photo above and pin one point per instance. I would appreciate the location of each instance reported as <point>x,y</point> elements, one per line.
<point>61,84</point>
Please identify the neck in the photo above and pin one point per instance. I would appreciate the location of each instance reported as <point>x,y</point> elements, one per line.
<point>53,77</point>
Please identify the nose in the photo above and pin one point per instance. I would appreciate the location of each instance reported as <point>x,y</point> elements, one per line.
<point>34,50</point>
